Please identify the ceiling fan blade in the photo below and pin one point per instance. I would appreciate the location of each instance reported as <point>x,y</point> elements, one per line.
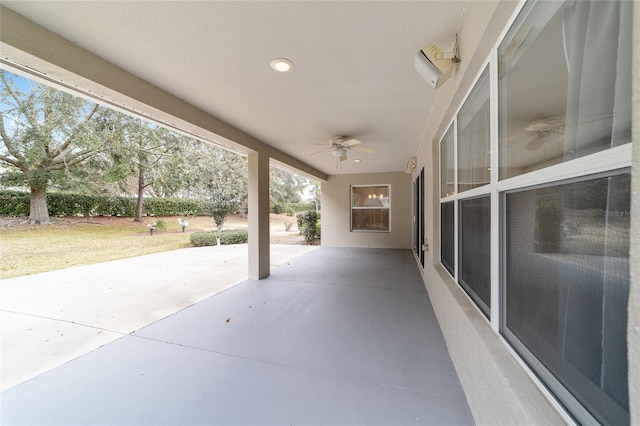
<point>343,157</point>
<point>318,152</point>
<point>364,149</point>
<point>534,144</point>
<point>350,142</point>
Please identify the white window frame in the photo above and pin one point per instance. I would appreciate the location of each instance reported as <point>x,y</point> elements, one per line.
<point>606,161</point>
<point>352,207</point>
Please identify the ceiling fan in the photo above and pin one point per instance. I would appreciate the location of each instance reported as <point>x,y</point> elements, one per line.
<point>339,145</point>
<point>542,131</point>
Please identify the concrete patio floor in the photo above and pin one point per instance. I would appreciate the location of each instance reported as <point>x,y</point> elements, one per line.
<point>50,318</point>
<point>335,336</point>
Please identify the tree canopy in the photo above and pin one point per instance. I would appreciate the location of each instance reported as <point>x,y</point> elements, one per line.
<point>44,132</point>
<point>52,140</point>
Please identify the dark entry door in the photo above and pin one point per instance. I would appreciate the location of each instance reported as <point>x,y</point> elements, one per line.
<point>418,216</point>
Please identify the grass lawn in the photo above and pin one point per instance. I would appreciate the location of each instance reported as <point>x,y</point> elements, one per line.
<point>30,249</point>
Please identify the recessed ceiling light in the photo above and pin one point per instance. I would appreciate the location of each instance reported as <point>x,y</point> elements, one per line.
<point>281,64</point>
<point>357,160</point>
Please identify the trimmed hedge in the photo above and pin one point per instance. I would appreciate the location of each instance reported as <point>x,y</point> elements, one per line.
<point>172,207</point>
<point>279,208</point>
<point>209,238</point>
<point>16,203</point>
<point>65,204</point>
<point>300,207</point>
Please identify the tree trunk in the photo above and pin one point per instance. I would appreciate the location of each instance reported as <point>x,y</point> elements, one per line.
<point>38,211</point>
<point>140,196</point>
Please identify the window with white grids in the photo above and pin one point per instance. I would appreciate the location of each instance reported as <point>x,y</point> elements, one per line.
<point>535,199</point>
<point>370,208</point>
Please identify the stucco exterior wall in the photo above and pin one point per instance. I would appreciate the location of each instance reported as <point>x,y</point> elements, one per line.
<point>336,211</point>
<point>498,389</point>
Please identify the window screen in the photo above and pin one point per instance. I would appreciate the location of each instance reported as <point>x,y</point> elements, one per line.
<point>474,257</point>
<point>566,289</point>
<point>447,246</point>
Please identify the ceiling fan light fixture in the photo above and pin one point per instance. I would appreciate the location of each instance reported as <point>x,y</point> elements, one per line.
<point>339,152</point>
<point>282,65</point>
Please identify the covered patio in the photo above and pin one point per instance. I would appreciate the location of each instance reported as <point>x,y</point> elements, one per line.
<point>466,183</point>
<point>335,336</point>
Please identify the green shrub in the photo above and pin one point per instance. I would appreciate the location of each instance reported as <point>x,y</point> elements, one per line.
<point>289,211</point>
<point>209,238</point>
<point>171,207</point>
<point>300,222</point>
<point>161,225</point>
<point>203,239</point>
<point>277,208</point>
<point>310,221</point>
<point>234,236</point>
<point>14,203</point>
<point>300,207</point>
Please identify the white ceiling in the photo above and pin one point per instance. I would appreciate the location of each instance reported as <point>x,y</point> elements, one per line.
<point>353,69</point>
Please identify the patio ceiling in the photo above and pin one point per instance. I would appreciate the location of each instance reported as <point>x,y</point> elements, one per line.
<point>353,69</point>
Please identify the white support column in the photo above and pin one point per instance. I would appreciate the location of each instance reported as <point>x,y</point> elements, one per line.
<point>259,251</point>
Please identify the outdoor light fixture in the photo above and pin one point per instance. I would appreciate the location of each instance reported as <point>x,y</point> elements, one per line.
<point>411,165</point>
<point>281,64</point>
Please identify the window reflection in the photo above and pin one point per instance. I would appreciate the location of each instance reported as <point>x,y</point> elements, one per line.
<point>370,205</point>
<point>447,170</point>
<point>564,79</point>
<point>473,137</point>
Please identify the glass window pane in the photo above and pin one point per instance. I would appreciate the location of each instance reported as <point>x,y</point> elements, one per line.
<point>370,196</point>
<point>447,245</point>
<point>473,137</point>
<point>564,83</point>
<point>370,205</point>
<point>447,170</point>
<point>475,250</point>
<point>566,288</point>
<point>370,219</point>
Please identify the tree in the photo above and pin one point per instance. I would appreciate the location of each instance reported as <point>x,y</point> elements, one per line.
<point>44,133</point>
<point>285,187</point>
<point>139,159</point>
<point>102,173</point>
<point>316,194</point>
<point>223,183</point>
<point>178,174</point>
<point>150,145</point>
